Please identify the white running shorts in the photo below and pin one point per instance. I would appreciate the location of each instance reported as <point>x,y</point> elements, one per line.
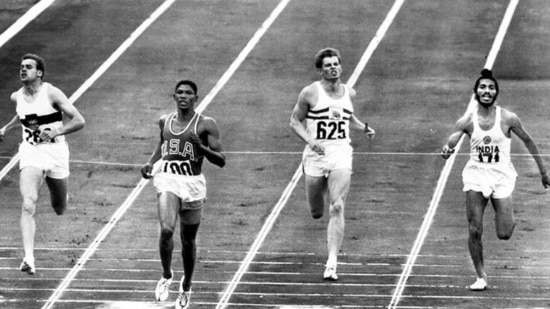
<point>52,158</point>
<point>496,181</point>
<point>336,157</point>
<point>190,189</point>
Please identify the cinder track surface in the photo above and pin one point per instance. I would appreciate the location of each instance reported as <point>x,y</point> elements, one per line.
<point>412,90</point>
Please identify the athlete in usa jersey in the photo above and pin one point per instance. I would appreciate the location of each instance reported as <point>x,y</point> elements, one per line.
<point>489,174</point>
<point>179,152</point>
<point>186,139</point>
<point>322,118</point>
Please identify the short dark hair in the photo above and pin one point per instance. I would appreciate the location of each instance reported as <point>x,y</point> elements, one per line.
<point>324,53</point>
<point>40,63</point>
<point>187,82</point>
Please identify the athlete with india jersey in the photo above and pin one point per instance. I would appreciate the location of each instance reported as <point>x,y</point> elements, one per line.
<point>323,117</point>
<point>44,154</point>
<point>489,174</point>
<point>186,138</point>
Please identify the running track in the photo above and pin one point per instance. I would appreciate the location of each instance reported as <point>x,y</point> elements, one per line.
<point>429,55</point>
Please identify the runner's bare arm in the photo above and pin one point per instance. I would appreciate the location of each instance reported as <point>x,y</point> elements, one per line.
<point>356,124</point>
<point>299,115</point>
<point>147,169</point>
<point>209,142</point>
<point>76,121</point>
<point>14,123</point>
<point>518,129</point>
<point>461,127</point>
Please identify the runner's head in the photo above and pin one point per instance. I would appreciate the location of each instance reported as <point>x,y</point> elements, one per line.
<point>328,63</point>
<point>326,52</point>
<point>486,88</point>
<point>189,83</point>
<point>185,94</point>
<point>40,63</point>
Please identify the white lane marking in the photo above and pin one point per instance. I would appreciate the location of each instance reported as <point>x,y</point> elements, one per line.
<point>20,23</point>
<point>428,218</point>
<point>270,221</point>
<point>103,68</point>
<point>118,214</point>
<point>244,53</point>
<point>9,33</point>
<point>137,190</point>
<point>266,228</point>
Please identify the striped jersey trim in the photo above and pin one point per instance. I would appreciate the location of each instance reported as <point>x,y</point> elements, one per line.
<point>33,120</point>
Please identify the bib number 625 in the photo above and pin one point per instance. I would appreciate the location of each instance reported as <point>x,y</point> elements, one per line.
<point>331,130</point>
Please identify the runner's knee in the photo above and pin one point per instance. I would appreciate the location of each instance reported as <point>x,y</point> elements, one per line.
<point>59,206</point>
<point>505,233</point>
<point>188,243</point>
<point>29,206</point>
<point>337,207</point>
<point>316,208</point>
<point>316,215</point>
<point>59,210</point>
<point>475,231</point>
<point>166,233</point>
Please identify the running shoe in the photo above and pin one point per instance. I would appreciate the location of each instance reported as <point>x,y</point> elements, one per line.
<point>28,267</point>
<point>479,285</point>
<point>330,273</point>
<point>184,297</point>
<point>163,288</point>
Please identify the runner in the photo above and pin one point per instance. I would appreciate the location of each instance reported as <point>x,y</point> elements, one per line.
<point>186,139</point>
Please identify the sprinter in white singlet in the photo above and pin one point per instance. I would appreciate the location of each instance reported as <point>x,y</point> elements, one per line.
<point>489,174</point>
<point>44,154</point>
<point>323,117</point>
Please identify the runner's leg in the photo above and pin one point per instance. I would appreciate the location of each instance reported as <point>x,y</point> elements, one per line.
<point>58,194</point>
<point>505,219</point>
<point>475,208</point>
<point>30,181</point>
<point>338,184</point>
<point>189,227</point>
<point>316,193</point>
<point>168,208</point>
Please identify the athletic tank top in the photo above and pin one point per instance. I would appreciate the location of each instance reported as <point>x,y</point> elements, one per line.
<point>490,146</point>
<point>36,112</point>
<point>328,121</point>
<point>179,155</point>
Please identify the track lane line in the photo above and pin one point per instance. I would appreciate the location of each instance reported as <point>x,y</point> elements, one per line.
<point>116,216</point>
<point>24,20</point>
<point>102,69</point>
<point>429,216</point>
<point>143,182</point>
<point>270,221</point>
<point>7,35</point>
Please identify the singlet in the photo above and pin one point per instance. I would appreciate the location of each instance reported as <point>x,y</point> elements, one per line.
<point>39,111</point>
<point>328,121</point>
<point>490,146</point>
<point>178,154</point>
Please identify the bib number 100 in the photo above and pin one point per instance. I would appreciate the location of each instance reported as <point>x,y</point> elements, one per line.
<point>178,168</point>
<point>331,130</point>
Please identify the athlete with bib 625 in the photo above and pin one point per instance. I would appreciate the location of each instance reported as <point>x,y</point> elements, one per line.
<point>323,117</point>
